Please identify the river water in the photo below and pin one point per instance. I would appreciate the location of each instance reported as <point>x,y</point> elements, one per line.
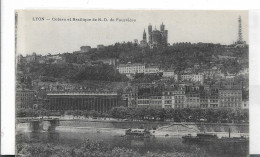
<point>74,135</point>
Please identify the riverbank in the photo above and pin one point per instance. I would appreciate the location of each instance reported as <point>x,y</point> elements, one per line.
<point>156,128</point>
<point>90,119</point>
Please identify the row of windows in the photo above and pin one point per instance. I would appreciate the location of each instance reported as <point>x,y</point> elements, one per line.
<point>231,99</point>
<point>168,102</point>
<point>179,97</point>
<point>130,71</point>
<point>156,97</point>
<point>132,67</point>
<point>156,102</point>
<point>143,98</point>
<point>168,106</point>
<point>202,98</point>
<point>230,105</point>
<point>168,97</point>
<point>143,101</point>
<point>175,92</point>
<point>141,69</point>
<point>25,94</point>
<point>203,105</point>
<point>179,101</point>
<point>213,105</point>
<point>230,94</point>
<point>191,106</point>
<point>26,99</point>
<point>193,100</point>
<point>192,78</point>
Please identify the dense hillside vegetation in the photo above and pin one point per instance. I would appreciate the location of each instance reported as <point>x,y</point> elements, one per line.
<point>180,56</point>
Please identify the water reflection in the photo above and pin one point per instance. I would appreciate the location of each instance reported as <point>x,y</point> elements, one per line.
<point>226,149</point>
<point>113,138</point>
<point>53,136</point>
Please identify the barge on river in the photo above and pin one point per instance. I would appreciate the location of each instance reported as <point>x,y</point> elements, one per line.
<point>213,138</point>
<point>137,133</point>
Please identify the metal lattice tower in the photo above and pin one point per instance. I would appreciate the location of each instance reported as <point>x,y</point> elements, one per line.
<point>240,38</point>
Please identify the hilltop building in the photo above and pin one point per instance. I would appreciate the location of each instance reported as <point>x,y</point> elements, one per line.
<point>143,43</point>
<point>84,49</point>
<point>156,38</point>
<point>100,47</point>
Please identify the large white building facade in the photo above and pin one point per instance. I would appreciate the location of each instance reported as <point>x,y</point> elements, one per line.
<point>131,68</point>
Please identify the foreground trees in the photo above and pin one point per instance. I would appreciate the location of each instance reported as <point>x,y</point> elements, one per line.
<point>97,149</point>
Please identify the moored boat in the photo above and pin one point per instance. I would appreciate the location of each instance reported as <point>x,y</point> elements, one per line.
<point>213,138</point>
<point>137,133</point>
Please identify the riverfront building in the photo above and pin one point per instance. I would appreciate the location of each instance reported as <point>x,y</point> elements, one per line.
<point>25,98</point>
<point>193,100</point>
<point>230,98</point>
<point>168,100</point>
<point>193,97</point>
<point>82,100</point>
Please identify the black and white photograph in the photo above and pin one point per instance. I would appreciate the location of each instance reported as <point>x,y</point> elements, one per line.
<point>131,83</point>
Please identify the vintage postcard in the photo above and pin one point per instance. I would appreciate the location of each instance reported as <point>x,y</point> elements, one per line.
<point>132,83</point>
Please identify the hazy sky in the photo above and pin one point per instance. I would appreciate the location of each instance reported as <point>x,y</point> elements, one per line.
<point>54,37</point>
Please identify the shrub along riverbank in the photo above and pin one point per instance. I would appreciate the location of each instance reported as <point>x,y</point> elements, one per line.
<point>95,149</point>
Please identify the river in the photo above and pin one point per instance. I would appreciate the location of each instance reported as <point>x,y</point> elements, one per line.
<point>113,136</point>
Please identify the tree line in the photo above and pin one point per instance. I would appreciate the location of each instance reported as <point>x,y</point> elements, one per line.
<point>152,114</point>
<point>46,72</point>
<point>182,115</point>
